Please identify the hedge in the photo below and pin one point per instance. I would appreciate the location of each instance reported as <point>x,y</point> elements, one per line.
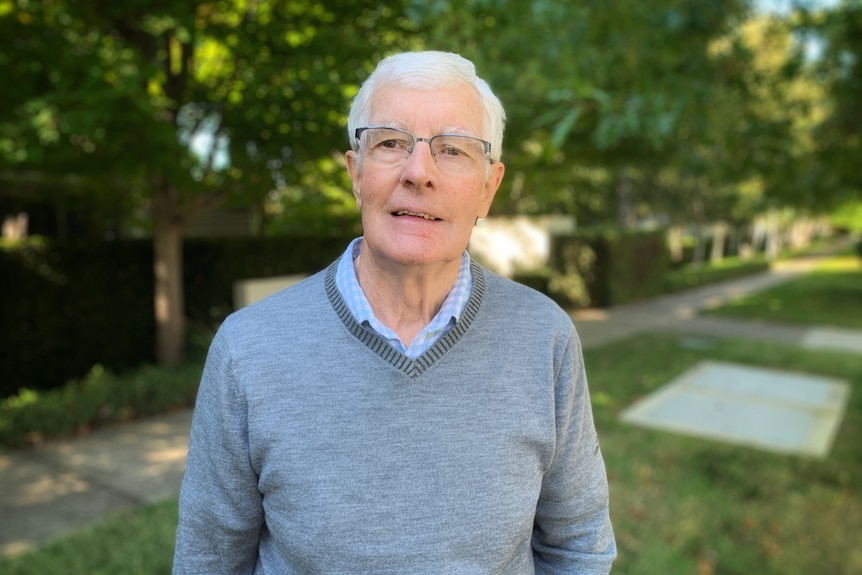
<point>605,267</point>
<point>67,306</point>
<point>99,398</point>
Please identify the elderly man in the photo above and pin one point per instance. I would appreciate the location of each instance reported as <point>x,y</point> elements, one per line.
<point>404,410</point>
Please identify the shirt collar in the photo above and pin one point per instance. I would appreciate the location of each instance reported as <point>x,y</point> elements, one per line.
<point>450,312</point>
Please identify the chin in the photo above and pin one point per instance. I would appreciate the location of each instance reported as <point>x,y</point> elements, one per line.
<point>415,249</point>
<point>423,257</point>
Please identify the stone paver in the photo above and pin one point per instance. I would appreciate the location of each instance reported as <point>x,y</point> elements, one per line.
<point>833,338</point>
<point>768,409</point>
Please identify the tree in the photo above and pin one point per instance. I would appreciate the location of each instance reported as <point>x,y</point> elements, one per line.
<point>838,32</point>
<point>181,105</point>
<point>600,95</point>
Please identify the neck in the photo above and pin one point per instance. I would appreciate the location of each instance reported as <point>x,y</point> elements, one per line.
<point>405,298</point>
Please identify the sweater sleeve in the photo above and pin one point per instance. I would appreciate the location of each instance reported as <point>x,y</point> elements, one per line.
<point>221,512</point>
<point>572,532</point>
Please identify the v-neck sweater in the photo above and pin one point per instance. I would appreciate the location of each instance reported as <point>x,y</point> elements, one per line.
<point>316,447</point>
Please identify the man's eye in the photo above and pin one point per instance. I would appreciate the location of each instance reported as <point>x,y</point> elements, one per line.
<point>393,144</point>
<point>450,151</point>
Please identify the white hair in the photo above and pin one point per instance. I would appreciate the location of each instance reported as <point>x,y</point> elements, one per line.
<point>428,71</point>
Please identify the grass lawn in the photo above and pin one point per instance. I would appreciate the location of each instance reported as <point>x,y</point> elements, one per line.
<point>688,506</point>
<point>830,295</point>
<point>138,542</point>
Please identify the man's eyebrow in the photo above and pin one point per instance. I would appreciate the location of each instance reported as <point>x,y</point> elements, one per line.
<point>403,126</point>
<point>458,131</point>
<point>390,124</point>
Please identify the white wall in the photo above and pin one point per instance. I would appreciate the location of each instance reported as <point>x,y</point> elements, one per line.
<point>509,244</point>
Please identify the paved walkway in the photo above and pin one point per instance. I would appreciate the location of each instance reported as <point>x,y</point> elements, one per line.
<point>51,490</point>
<point>678,313</point>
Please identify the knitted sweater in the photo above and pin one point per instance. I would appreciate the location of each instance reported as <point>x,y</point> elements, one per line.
<point>317,448</point>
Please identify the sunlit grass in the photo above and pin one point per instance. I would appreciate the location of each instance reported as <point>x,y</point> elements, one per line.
<point>138,542</point>
<point>830,295</point>
<point>682,505</point>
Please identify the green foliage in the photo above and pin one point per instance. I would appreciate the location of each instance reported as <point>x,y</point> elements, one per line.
<point>685,111</point>
<point>264,87</point>
<point>839,68</point>
<point>573,271</point>
<point>704,111</point>
<point>848,217</point>
<point>636,264</point>
<point>320,202</point>
<point>180,107</point>
<point>98,399</point>
<point>607,95</point>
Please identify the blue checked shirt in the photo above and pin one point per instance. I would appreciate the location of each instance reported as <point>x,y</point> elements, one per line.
<point>357,303</point>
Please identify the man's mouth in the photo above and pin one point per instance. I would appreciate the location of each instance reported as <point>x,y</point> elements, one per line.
<point>415,215</point>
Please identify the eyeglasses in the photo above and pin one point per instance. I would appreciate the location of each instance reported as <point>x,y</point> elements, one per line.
<point>453,153</point>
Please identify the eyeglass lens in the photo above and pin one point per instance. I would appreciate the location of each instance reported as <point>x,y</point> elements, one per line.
<point>452,152</point>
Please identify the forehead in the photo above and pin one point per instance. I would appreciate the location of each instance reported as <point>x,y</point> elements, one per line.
<point>457,109</point>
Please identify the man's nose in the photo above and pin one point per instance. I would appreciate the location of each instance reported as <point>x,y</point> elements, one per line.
<point>420,165</point>
<point>423,146</point>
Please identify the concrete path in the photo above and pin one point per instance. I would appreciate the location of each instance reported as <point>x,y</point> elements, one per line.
<point>51,490</point>
<point>56,488</point>
<point>678,313</point>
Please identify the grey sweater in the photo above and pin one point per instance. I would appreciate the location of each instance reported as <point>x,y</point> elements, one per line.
<point>318,448</point>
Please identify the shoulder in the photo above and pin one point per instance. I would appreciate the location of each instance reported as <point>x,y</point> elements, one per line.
<point>516,303</point>
<point>288,307</point>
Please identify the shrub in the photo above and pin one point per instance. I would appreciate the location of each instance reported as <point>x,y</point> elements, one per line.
<point>99,398</point>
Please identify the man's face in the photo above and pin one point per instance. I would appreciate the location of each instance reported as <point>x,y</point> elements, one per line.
<point>414,213</point>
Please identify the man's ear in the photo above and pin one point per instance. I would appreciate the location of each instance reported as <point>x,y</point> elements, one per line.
<point>492,184</point>
<point>352,160</point>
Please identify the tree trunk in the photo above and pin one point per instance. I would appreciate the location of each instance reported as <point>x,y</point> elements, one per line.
<point>719,237</point>
<point>625,210</point>
<point>699,254</point>
<point>169,298</point>
<point>675,245</point>
<point>773,237</point>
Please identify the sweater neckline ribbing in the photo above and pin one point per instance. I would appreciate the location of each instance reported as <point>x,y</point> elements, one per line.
<point>412,368</point>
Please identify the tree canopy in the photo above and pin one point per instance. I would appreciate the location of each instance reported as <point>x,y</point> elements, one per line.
<point>177,106</point>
